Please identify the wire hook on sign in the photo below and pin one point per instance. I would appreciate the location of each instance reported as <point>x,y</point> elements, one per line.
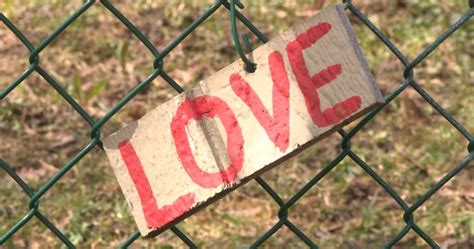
<point>249,66</point>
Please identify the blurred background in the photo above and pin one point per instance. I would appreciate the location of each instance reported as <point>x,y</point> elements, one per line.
<point>98,61</point>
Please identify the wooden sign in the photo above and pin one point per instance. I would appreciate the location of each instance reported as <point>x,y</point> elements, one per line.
<point>203,143</point>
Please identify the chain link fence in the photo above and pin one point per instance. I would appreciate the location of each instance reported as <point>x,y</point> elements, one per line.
<point>95,125</point>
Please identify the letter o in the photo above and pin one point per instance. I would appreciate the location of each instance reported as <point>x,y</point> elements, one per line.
<point>195,109</point>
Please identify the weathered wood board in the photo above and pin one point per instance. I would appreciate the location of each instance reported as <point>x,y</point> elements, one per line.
<point>205,142</point>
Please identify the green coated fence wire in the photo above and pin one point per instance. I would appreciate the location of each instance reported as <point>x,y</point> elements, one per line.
<point>159,56</point>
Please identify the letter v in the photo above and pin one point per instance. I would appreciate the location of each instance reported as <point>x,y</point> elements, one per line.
<point>277,125</point>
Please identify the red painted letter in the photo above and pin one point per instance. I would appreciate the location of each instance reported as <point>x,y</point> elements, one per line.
<point>154,216</point>
<point>195,109</point>
<point>309,85</point>
<point>276,127</point>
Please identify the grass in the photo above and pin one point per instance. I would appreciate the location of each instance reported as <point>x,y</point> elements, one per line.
<point>98,61</point>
